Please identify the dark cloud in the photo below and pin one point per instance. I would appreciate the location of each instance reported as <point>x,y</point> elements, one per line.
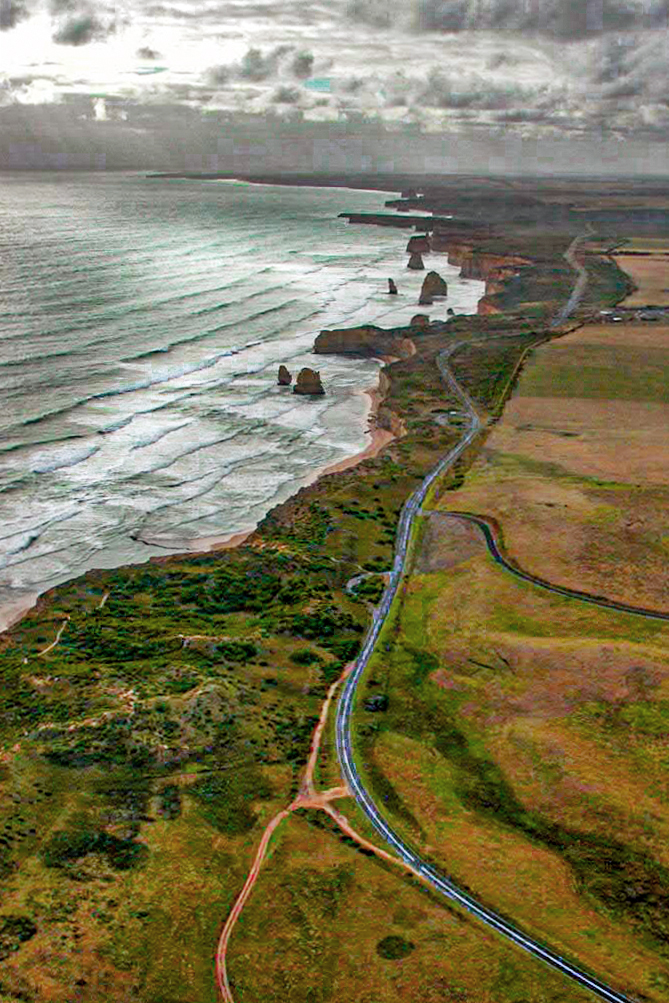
<point>257,65</point>
<point>218,75</point>
<point>146,53</point>
<point>457,92</point>
<point>567,20</point>
<point>286,95</point>
<point>302,64</point>
<point>373,12</point>
<point>11,12</point>
<point>82,30</point>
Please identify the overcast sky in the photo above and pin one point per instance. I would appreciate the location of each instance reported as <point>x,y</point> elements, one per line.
<point>419,85</point>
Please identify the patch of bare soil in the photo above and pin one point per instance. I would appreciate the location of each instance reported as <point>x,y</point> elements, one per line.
<point>447,542</point>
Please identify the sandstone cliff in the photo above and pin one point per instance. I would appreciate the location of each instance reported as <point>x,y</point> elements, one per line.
<point>309,382</point>
<point>487,307</point>
<point>368,340</point>
<point>420,244</point>
<point>285,378</point>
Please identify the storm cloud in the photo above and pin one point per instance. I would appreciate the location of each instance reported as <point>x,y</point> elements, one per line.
<point>529,70</point>
<point>82,29</point>
<point>11,12</point>
<point>566,20</point>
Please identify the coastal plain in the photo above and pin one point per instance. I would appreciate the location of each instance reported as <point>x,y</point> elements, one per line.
<point>155,718</point>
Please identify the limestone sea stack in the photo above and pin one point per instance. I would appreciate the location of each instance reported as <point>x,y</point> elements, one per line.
<point>285,378</point>
<point>392,288</point>
<point>416,262</point>
<point>433,285</point>
<point>309,383</point>
<point>420,244</point>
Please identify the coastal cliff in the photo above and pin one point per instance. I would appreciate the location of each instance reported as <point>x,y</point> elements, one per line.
<point>367,341</point>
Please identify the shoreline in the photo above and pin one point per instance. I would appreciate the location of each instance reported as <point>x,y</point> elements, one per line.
<point>12,612</point>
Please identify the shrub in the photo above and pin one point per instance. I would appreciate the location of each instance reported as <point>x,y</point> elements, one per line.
<point>393,948</point>
<point>14,931</point>
<point>305,656</point>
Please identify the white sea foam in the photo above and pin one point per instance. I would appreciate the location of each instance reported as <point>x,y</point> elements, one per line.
<point>144,343</point>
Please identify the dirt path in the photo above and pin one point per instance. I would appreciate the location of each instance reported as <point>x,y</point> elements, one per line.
<point>308,797</point>
<point>53,644</point>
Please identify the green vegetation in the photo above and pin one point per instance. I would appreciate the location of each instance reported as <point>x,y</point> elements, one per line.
<point>392,948</point>
<point>601,372</point>
<point>15,931</point>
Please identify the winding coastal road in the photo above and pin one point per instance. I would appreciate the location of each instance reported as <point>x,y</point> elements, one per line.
<point>344,741</point>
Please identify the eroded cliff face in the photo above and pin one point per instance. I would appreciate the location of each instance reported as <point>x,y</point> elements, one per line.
<point>486,266</point>
<point>368,341</point>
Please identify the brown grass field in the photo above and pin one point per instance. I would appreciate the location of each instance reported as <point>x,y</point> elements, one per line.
<point>651,276</point>
<point>577,470</point>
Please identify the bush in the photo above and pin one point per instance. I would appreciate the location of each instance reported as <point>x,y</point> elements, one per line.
<point>305,656</point>
<point>237,651</point>
<point>393,948</point>
<point>14,931</point>
<point>68,846</point>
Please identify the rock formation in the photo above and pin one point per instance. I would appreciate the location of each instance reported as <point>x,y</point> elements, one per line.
<point>416,262</point>
<point>420,244</point>
<point>392,288</point>
<point>309,382</point>
<point>425,299</point>
<point>285,378</point>
<point>433,285</point>
<point>421,321</point>
<point>368,341</point>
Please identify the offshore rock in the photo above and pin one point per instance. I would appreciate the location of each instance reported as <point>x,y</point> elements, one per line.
<point>433,285</point>
<point>419,244</point>
<point>309,383</point>
<point>416,262</point>
<point>392,288</point>
<point>424,299</point>
<point>285,378</point>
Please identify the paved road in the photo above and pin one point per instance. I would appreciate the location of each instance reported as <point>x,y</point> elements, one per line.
<point>344,742</point>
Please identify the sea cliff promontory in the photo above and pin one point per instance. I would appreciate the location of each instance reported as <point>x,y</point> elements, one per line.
<point>368,340</point>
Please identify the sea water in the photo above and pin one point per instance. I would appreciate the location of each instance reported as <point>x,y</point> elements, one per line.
<point>142,322</point>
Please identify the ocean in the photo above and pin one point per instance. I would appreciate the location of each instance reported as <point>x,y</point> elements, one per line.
<point>142,322</point>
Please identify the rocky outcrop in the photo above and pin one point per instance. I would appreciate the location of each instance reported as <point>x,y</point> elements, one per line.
<point>419,244</point>
<point>421,321</point>
<point>392,288</point>
<point>416,262</point>
<point>285,378</point>
<point>309,383</point>
<point>433,285</point>
<point>368,341</point>
<point>486,307</point>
